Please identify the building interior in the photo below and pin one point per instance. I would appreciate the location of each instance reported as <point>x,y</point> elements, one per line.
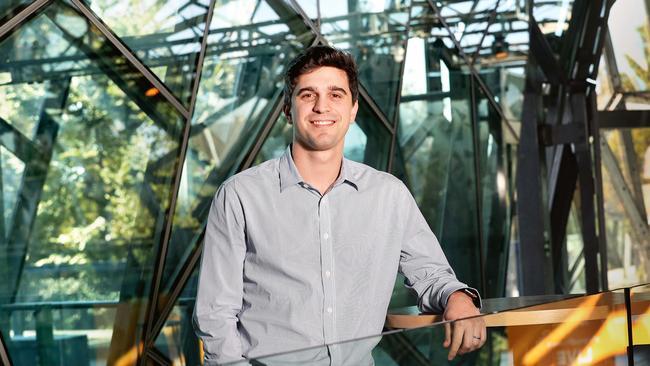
<point>521,128</point>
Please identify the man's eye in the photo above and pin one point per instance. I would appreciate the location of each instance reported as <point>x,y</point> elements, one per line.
<point>337,96</point>
<point>307,96</point>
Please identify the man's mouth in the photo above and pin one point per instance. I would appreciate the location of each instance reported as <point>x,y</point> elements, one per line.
<point>327,122</point>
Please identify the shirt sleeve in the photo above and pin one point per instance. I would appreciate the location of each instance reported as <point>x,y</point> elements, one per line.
<point>423,262</point>
<point>220,286</point>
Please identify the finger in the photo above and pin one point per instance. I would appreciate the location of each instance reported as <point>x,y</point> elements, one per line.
<point>456,340</point>
<point>483,335</point>
<point>447,336</point>
<point>469,342</point>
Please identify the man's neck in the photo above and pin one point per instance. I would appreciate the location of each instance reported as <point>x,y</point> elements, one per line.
<point>319,169</point>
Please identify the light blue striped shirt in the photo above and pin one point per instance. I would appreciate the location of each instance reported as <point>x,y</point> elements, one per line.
<point>285,267</point>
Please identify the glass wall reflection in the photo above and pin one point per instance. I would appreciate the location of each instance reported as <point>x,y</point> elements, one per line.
<point>436,152</point>
<point>83,195</point>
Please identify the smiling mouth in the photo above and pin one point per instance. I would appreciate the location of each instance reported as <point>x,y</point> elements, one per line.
<point>323,123</point>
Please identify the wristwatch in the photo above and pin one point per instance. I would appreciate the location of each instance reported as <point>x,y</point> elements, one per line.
<point>474,295</point>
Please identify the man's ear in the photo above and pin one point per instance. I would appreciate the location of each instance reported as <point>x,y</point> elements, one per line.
<point>353,113</point>
<point>287,113</point>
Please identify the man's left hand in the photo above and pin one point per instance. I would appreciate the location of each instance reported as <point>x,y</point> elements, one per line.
<point>466,335</point>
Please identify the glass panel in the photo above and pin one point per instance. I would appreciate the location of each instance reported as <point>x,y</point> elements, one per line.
<point>581,330</point>
<point>496,194</point>
<point>436,155</point>
<point>626,169</point>
<point>177,340</point>
<point>238,90</point>
<point>276,143</point>
<point>585,330</point>
<point>575,259</point>
<point>11,173</point>
<point>376,36</point>
<point>553,17</point>
<point>640,306</point>
<point>92,194</point>
<point>630,33</point>
<point>75,334</point>
<point>171,40</point>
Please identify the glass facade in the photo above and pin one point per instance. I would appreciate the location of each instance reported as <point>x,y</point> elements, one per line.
<point>119,119</point>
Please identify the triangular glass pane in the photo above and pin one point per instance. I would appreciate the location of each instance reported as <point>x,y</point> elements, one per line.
<point>376,36</point>
<point>239,89</point>
<point>165,35</point>
<point>177,339</point>
<point>92,200</point>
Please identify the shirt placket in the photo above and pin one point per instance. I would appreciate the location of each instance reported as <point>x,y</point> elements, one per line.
<point>327,274</point>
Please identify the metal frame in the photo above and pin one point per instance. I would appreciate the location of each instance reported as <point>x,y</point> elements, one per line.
<point>5,358</point>
<point>477,183</point>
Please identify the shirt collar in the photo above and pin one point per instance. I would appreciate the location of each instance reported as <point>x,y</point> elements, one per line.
<point>290,176</point>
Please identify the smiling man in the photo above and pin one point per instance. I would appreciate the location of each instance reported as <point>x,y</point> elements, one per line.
<point>303,250</point>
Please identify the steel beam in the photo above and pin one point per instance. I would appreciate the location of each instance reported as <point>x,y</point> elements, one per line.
<point>587,196</point>
<point>533,254</point>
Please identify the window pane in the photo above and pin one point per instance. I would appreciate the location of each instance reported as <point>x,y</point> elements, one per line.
<point>626,173</point>
<point>630,33</point>
<point>435,156</point>
<point>169,43</point>
<point>497,193</point>
<point>81,148</point>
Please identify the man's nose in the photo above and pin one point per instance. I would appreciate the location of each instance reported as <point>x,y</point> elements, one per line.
<point>321,105</point>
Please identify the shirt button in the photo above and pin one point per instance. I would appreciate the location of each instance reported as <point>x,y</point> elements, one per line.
<point>328,274</point>
<point>326,235</point>
<point>329,310</point>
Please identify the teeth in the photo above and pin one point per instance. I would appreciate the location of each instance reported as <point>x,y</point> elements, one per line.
<point>322,123</point>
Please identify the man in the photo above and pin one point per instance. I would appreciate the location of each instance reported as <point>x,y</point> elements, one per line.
<point>303,250</point>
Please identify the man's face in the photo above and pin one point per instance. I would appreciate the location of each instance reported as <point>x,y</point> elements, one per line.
<point>322,109</point>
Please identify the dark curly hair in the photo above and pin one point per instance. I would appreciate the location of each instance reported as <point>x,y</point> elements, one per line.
<point>313,58</point>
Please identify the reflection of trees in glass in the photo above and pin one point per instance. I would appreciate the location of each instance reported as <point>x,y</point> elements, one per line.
<point>93,213</point>
<point>623,256</point>
<point>642,72</point>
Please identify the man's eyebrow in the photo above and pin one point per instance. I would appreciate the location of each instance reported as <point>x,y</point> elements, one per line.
<point>337,88</point>
<point>307,88</point>
<point>313,90</point>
